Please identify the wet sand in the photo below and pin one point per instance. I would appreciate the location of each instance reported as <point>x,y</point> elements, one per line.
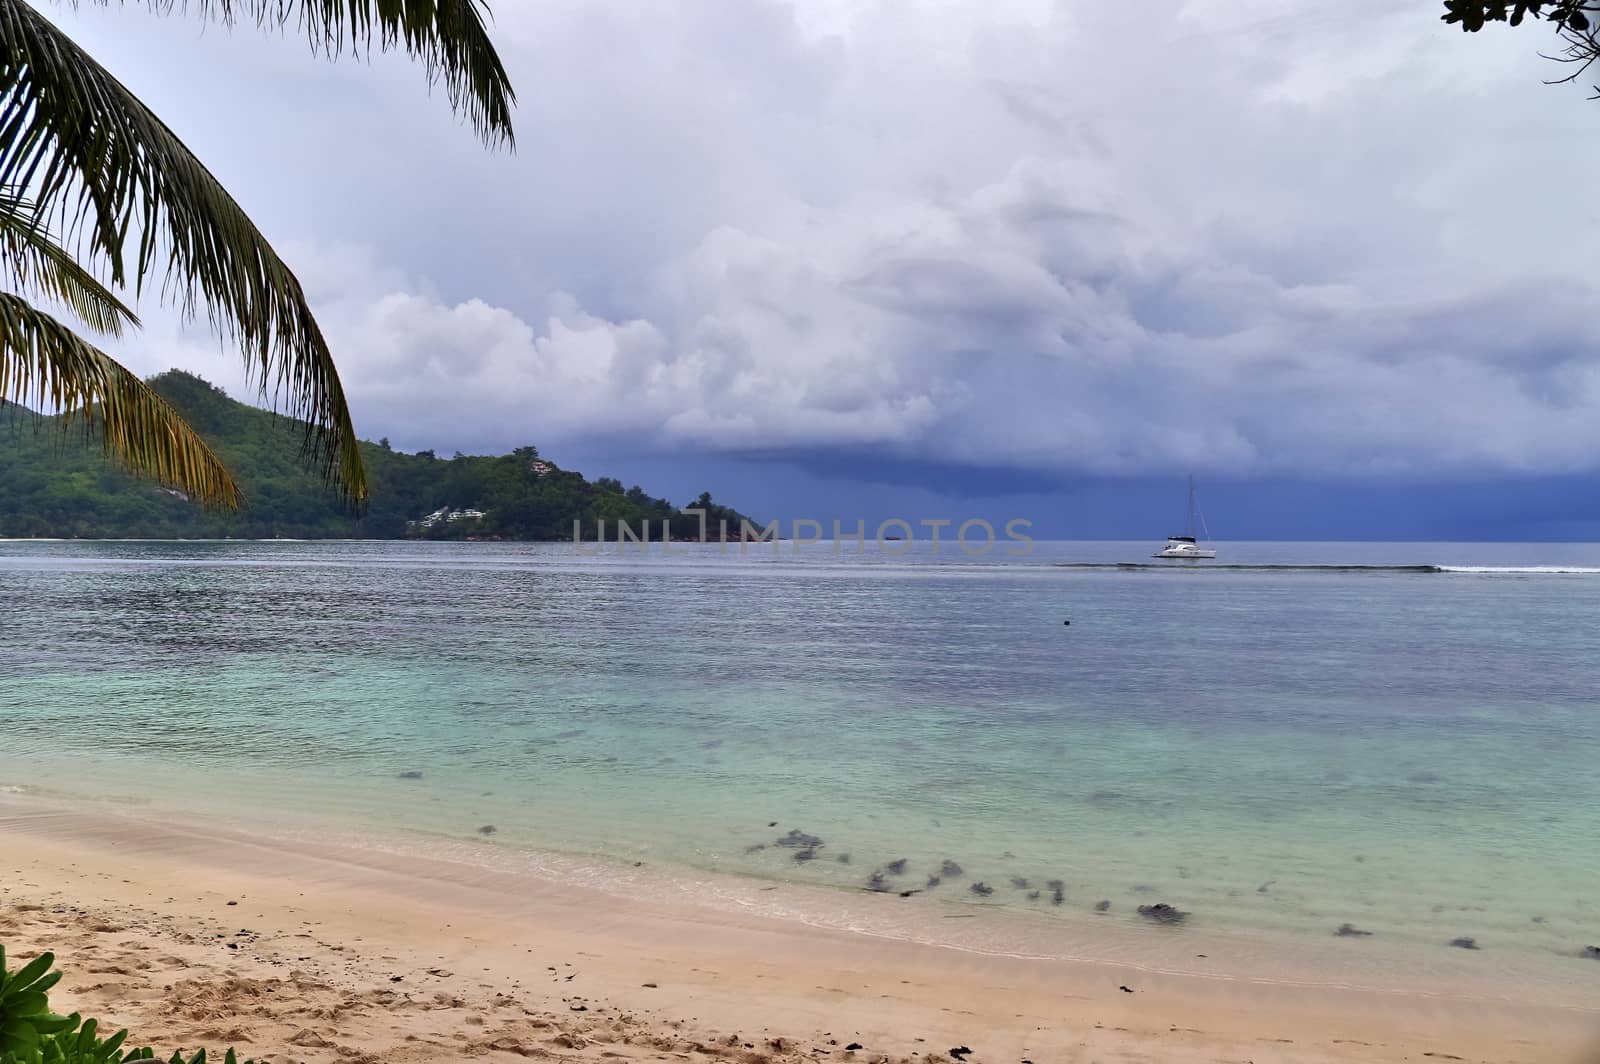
<point>196,934</point>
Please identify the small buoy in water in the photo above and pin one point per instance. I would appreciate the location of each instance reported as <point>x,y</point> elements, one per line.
<point>1066,622</point>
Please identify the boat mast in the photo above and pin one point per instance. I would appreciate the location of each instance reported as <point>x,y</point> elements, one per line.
<point>1188,525</point>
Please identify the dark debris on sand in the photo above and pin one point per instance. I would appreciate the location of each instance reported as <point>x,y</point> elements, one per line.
<point>1162,913</point>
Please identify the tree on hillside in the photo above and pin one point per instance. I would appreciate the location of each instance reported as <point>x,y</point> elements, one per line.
<point>85,165</point>
<point>1576,23</point>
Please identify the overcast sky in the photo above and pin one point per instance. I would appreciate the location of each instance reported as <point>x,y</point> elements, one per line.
<point>929,244</point>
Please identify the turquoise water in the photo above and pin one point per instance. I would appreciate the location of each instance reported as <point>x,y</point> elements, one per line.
<point>1275,750</point>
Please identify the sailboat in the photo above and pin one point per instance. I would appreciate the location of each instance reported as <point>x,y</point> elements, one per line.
<point>1186,546</point>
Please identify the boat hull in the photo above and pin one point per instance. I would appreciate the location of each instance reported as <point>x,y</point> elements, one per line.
<point>1193,555</point>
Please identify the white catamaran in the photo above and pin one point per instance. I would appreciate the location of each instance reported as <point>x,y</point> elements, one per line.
<point>1186,546</point>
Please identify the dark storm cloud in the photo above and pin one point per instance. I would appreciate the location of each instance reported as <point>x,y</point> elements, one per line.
<point>1055,239</point>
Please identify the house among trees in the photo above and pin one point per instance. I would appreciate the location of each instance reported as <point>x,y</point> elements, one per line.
<point>449,516</point>
<point>432,519</point>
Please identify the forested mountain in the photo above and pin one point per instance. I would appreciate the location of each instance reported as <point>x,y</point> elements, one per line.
<point>56,482</point>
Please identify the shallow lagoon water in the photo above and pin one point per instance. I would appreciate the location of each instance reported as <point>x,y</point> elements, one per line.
<point>1277,751</point>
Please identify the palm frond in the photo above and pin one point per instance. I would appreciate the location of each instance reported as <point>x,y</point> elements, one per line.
<point>448,37</point>
<point>45,364</point>
<point>90,153</point>
<point>40,265</point>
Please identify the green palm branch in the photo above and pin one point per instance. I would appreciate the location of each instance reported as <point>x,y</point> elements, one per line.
<point>48,364</point>
<point>41,266</point>
<point>81,153</point>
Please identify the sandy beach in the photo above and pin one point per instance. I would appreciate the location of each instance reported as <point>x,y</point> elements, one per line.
<point>194,934</point>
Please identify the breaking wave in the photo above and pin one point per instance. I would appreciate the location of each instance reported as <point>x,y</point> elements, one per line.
<point>1474,570</point>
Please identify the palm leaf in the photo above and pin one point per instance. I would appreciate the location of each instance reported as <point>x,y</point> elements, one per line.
<point>447,36</point>
<point>45,364</point>
<point>90,153</point>
<point>38,264</point>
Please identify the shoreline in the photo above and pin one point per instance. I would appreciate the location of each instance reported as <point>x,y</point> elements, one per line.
<point>375,915</point>
<point>1203,946</point>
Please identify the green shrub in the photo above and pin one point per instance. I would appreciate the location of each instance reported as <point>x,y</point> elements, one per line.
<point>31,1034</point>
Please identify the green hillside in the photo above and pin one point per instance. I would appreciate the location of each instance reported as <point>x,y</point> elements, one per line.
<point>57,483</point>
